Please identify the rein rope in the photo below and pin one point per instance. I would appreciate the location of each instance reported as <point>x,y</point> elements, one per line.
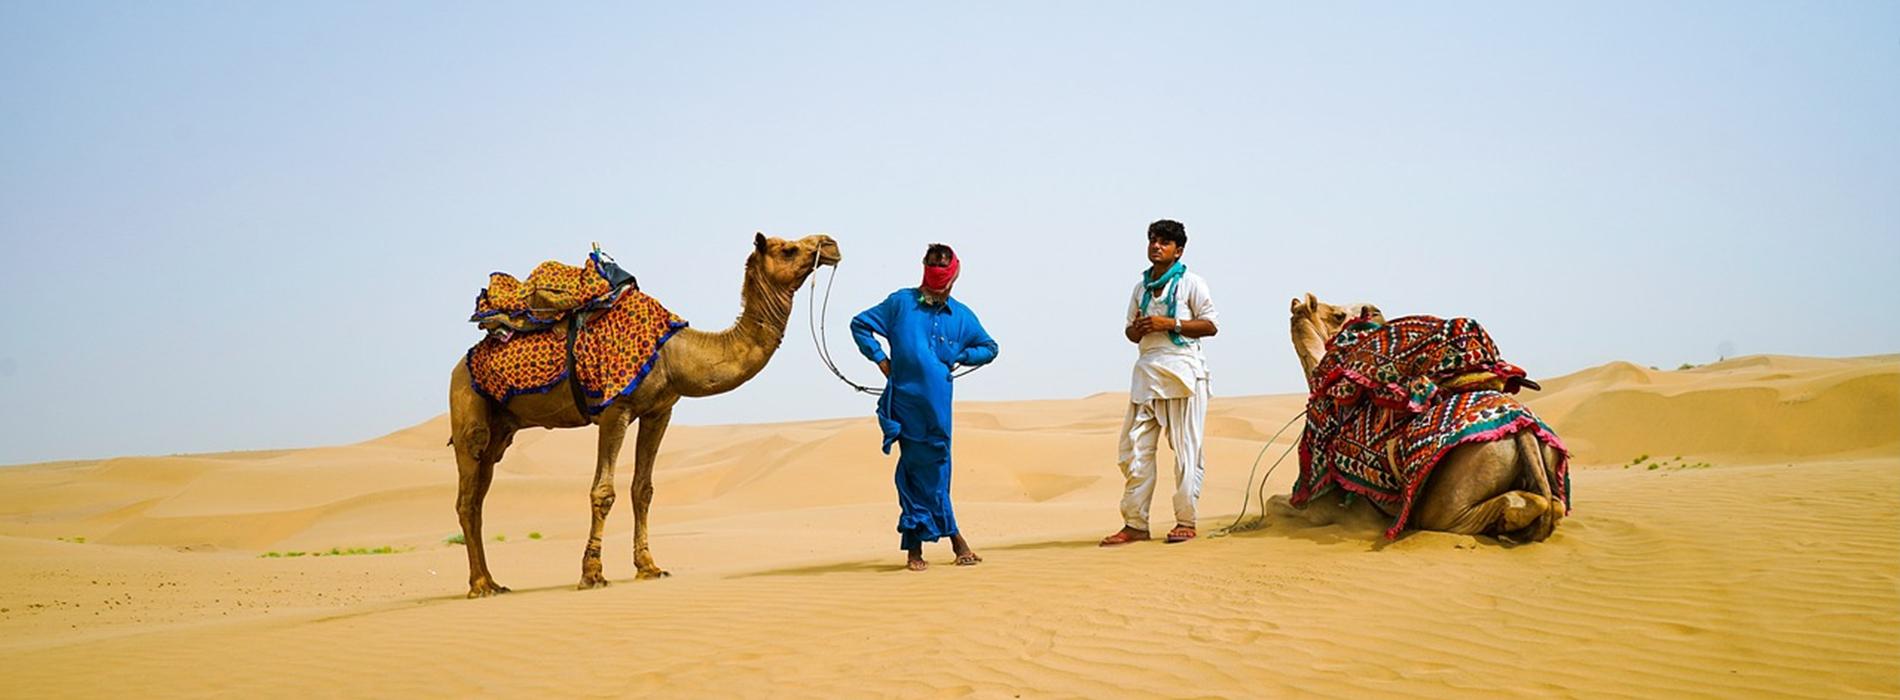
<point>1263,479</point>
<point>815,322</point>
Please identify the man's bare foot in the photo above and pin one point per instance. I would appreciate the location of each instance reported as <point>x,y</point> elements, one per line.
<point>1125,536</point>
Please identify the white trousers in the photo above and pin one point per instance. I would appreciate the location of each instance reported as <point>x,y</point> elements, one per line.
<point>1183,420</point>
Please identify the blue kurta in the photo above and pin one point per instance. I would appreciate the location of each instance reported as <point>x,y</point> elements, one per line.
<point>927,342</point>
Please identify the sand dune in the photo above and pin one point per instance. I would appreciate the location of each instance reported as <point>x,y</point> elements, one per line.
<point>1774,570</point>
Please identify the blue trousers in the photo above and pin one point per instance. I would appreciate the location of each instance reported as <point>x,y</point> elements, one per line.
<point>923,492</point>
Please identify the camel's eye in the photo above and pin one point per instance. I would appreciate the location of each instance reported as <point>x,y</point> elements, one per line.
<point>788,253</point>
<point>1339,315</point>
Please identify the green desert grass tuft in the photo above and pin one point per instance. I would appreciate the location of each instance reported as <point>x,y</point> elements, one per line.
<point>1673,463</point>
<point>337,552</point>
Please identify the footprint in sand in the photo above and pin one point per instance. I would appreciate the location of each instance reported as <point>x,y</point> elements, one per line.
<point>1044,641</point>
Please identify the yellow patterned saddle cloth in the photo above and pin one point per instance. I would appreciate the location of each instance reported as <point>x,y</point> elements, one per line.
<point>551,292</point>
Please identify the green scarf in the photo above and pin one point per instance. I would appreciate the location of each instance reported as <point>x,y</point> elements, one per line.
<point>1150,286</point>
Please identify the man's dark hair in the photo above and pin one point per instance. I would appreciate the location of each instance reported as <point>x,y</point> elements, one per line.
<point>939,249</point>
<point>1169,230</point>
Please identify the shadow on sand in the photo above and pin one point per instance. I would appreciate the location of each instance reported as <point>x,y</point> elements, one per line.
<point>1329,521</point>
<point>1051,544</point>
<point>860,567</point>
<point>896,563</point>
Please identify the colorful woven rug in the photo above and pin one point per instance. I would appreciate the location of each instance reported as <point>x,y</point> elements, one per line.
<point>612,354</point>
<point>548,294</point>
<point>1390,401</point>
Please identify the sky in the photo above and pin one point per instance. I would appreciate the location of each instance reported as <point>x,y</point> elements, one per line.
<point>229,226</point>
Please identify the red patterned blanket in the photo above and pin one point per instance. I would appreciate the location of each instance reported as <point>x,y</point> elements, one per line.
<point>1389,401</point>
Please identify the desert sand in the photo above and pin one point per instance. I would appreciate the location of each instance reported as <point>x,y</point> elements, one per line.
<point>1754,551</point>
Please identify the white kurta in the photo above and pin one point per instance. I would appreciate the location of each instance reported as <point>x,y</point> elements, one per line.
<point>1168,391</point>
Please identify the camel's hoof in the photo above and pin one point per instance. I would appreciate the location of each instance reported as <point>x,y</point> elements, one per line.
<point>1547,525</point>
<point>656,573</point>
<point>486,590</point>
<point>588,582</point>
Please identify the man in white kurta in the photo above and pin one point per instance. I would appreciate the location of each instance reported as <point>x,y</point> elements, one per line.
<point>1168,314</point>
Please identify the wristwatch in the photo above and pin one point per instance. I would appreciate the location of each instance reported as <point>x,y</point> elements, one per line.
<point>1177,325</point>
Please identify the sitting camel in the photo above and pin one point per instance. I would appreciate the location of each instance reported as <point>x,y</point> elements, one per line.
<point>1500,488</point>
<point>691,363</point>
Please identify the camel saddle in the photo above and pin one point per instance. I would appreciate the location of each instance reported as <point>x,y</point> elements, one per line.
<point>607,352</point>
<point>589,323</point>
<point>549,294</point>
<point>1389,401</point>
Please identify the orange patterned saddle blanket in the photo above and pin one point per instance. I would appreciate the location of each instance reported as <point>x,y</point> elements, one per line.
<point>551,292</point>
<point>608,349</point>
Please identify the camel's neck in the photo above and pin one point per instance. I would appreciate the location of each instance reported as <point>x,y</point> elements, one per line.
<point>1308,345</point>
<point>704,364</point>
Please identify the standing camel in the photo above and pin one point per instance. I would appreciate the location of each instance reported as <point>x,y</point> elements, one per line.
<point>1501,488</point>
<point>692,363</point>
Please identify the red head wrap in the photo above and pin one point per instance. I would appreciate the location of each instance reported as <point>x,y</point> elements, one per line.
<point>937,280</point>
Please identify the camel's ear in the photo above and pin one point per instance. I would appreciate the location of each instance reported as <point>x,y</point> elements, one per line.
<point>758,241</point>
<point>1312,302</point>
<point>1297,305</point>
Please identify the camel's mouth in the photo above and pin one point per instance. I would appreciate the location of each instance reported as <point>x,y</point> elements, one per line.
<point>828,254</point>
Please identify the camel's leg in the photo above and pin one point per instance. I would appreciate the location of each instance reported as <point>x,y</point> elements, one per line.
<point>1539,473</point>
<point>652,431</point>
<point>1475,491</point>
<point>478,436</point>
<point>1507,514</point>
<point>476,471</point>
<point>613,432</point>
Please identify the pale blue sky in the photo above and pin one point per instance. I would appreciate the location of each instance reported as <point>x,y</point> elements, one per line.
<point>258,225</point>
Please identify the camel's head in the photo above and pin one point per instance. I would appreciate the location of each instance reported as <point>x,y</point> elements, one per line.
<point>1314,322</point>
<point>1326,319</point>
<point>785,263</point>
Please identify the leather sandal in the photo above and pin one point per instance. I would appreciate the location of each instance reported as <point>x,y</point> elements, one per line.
<point>1125,536</point>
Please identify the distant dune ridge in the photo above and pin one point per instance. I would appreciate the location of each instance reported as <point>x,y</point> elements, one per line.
<point>1753,549</point>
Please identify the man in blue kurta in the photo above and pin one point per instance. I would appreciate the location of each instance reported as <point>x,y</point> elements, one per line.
<point>930,335</point>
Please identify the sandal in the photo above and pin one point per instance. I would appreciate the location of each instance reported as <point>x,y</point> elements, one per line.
<point>969,559</point>
<point>1125,536</point>
<point>1180,533</point>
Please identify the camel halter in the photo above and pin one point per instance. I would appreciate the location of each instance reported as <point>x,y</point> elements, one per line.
<point>815,322</point>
